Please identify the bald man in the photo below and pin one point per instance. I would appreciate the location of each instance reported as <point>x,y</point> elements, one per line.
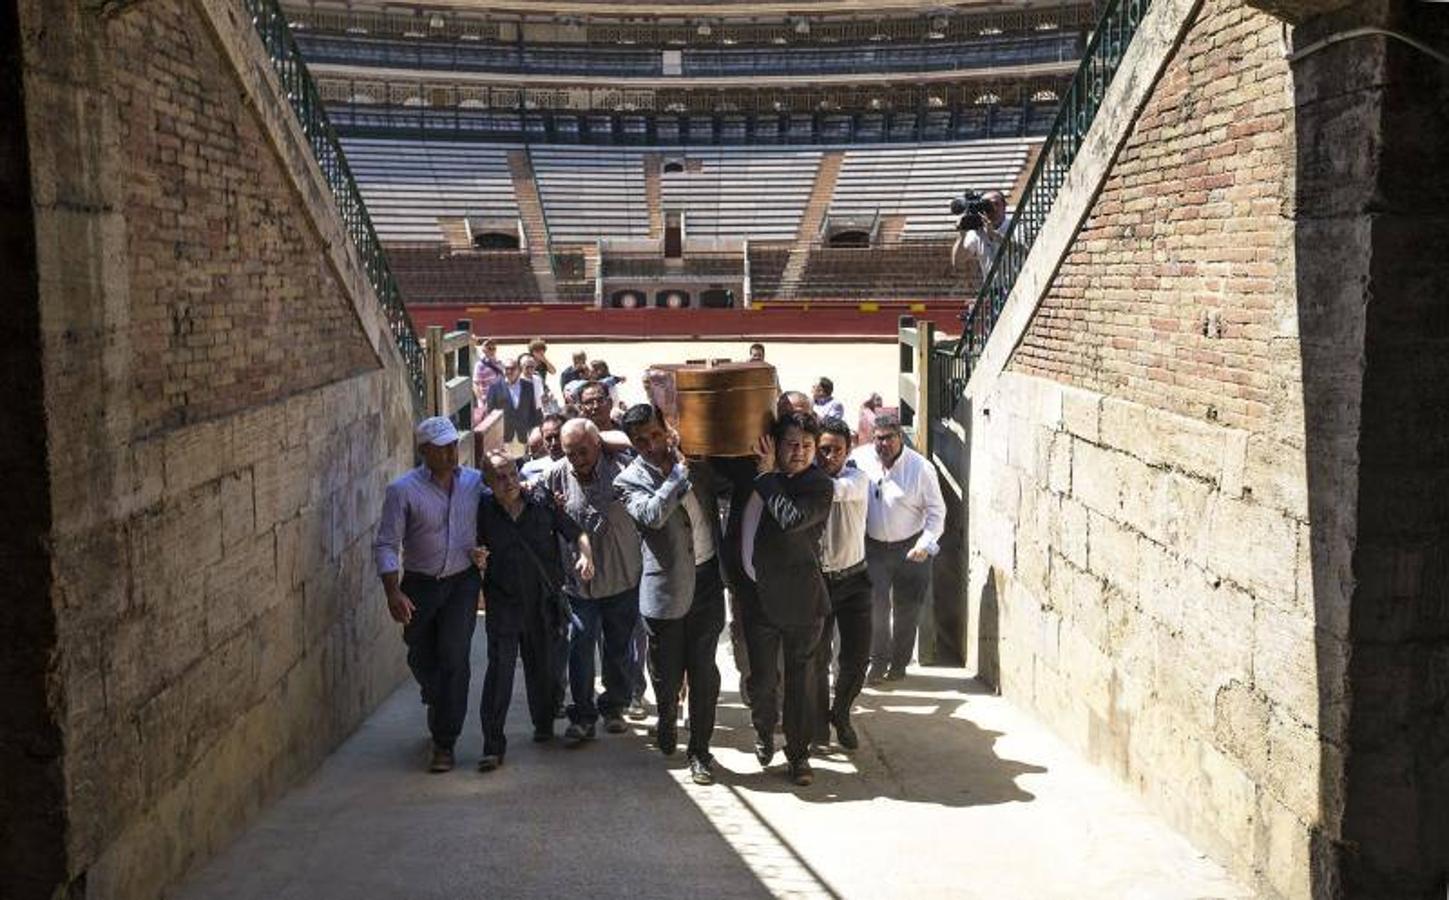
<point>608,603</point>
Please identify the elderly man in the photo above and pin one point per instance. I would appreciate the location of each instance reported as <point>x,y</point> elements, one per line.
<point>783,597</point>
<point>549,437</point>
<point>904,519</point>
<point>486,371</point>
<point>842,561</point>
<point>523,583</point>
<point>608,603</point>
<point>515,396</point>
<point>682,593</point>
<point>429,514</point>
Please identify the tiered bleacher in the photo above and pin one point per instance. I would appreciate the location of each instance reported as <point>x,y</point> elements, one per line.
<point>754,192</point>
<point>920,270</point>
<point>435,275</point>
<point>409,183</point>
<point>591,192</point>
<point>918,182</point>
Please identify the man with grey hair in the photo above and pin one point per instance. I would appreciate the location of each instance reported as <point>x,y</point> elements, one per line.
<point>607,604</point>
<point>982,244</point>
<point>905,515</point>
<point>424,540</point>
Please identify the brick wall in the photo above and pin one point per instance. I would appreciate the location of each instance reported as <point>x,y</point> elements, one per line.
<point>1139,529</point>
<point>223,409</point>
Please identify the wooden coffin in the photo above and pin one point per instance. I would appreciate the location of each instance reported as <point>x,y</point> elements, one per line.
<point>719,409</point>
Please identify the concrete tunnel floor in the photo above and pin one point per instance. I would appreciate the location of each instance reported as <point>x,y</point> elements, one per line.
<point>953,793</point>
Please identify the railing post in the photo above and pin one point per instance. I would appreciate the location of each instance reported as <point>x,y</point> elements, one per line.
<point>435,369</point>
<point>925,344</point>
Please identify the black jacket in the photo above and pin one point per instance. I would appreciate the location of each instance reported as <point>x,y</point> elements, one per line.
<point>787,546</point>
<point>517,420</point>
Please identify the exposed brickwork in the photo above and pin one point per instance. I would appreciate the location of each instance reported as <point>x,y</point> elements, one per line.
<point>224,312</point>
<point>220,425</point>
<point>1172,293</point>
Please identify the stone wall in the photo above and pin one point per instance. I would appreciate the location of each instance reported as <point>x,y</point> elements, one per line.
<point>223,407</point>
<point>1139,529</point>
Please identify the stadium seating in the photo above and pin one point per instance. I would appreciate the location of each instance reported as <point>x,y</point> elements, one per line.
<point>591,192</point>
<point>432,275</point>
<point>919,182</point>
<point>408,184</point>
<point>920,270</point>
<point>752,192</point>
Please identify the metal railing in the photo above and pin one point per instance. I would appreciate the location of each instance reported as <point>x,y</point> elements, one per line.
<point>306,101</point>
<point>1080,102</point>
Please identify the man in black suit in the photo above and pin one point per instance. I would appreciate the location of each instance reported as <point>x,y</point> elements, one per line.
<point>783,598</point>
<point>521,414</point>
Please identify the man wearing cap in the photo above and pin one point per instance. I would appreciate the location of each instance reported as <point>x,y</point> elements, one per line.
<point>424,540</point>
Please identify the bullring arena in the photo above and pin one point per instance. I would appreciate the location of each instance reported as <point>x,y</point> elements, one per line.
<point>1134,585</point>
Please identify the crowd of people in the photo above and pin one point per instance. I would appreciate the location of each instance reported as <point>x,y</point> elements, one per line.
<point>591,541</point>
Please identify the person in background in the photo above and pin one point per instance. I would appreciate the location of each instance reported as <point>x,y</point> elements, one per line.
<point>784,599</point>
<point>904,519</point>
<point>529,366</point>
<point>607,605</point>
<point>549,439</point>
<point>595,405</point>
<point>794,401</point>
<point>757,353</point>
<point>423,549</point>
<point>842,561</point>
<point>526,614</point>
<point>514,395</point>
<point>673,504</point>
<point>486,371</point>
<point>538,349</point>
<point>577,371</point>
<point>865,424</point>
<point>824,404</point>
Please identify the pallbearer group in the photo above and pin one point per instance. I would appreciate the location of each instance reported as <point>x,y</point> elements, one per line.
<point>614,547</point>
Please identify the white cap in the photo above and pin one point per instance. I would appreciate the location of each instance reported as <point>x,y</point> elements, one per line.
<point>437,430</point>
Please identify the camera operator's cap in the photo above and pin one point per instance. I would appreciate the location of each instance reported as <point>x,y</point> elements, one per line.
<point>438,431</point>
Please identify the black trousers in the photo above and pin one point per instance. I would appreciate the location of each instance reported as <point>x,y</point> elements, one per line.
<point>686,646</point>
<point>538,645</point>
<point>774,692</point>
<point>850,614</point>
<point>899,590</point>
<point>438,639</point>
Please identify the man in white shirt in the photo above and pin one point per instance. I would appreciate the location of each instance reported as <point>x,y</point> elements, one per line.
<point>842,560</point>
<point>904,519</point>
<point>982,244</point>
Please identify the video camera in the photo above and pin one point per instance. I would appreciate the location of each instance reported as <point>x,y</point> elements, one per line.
<point>973,208</point>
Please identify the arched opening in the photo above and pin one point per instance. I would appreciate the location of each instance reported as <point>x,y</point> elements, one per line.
<point>674,165</point>
<point>717,298</point>
<point>495,240</point>
<point>672,299</point>
<point>849,238</point>
<point>627,299</point>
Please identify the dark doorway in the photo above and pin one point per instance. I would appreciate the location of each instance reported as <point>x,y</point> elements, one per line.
<point>673,234</point>
<point>495,240</point>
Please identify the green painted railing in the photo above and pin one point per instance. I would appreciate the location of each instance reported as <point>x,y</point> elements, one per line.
<point>1109,42</point>
<point>302,93</point>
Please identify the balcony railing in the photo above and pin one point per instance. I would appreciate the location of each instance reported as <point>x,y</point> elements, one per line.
<point>306,101</point>
<point>1079,106</point>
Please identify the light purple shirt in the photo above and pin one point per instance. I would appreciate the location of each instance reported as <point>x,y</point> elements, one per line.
<point>829,407</point>
<point>433,529</point>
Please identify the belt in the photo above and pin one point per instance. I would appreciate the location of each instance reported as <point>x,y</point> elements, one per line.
<point>842,574</point>
<point>903,542</point>
<point>408,573</point>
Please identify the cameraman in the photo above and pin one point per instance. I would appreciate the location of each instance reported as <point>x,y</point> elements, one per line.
<point>983,242</point>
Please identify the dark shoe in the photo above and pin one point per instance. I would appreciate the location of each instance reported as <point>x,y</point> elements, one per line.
<point>876,675</point>
<point>636,711</point>
<point>895,674</point>
<point>543,735</point>
<point>578,733</point>
<point>668,738</point>
<point>489,762</point>
<point>441,760</point>
<point>615,724</point>
<point>701,769</point>
<point>764,749</point>
<point>845,732</point>
<point>801,773</point>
